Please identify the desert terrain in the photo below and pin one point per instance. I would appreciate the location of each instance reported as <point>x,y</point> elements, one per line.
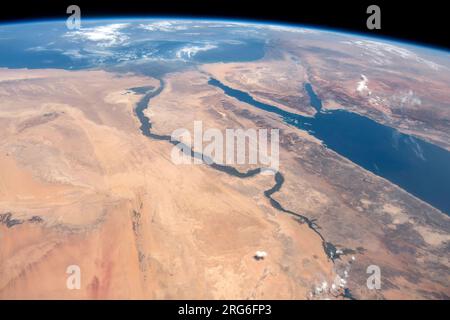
<point>368,219</point>
<point>80,185</point>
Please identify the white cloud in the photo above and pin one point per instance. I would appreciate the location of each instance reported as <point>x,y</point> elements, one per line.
<point>408,98</point>
<point>166,26</point>
<point>383,53</point>
<point>190,51</point>
<point>286,29</point>
<point>106,36</point>
<point>362,85</point>
<point>37,49</point>
<point>74,53</point>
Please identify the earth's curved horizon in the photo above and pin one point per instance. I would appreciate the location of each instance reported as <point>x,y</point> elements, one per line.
<point>384,38</point>
<point>86,118</point>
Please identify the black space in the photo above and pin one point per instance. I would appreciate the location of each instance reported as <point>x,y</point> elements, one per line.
<point>423,22</point>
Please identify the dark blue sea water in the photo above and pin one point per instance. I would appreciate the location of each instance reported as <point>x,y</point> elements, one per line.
<point>52,45</point>
<point>316,103</point>
<point>419,167</point>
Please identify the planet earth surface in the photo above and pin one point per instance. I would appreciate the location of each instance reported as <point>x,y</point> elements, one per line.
<point>92,205</point>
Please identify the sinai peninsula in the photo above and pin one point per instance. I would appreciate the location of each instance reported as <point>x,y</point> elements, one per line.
<point>203,159</point>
